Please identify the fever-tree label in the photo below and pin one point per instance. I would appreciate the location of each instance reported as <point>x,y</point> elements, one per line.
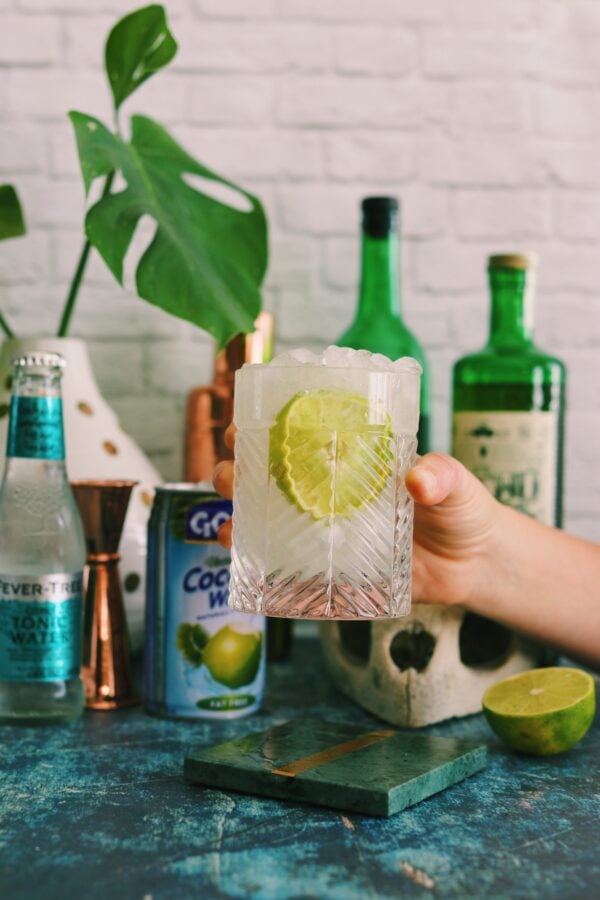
<point>40,627</point>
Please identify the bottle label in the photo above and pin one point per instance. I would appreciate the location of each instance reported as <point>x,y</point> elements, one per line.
<point>40,626</point>
<point>514,454</point>
<point>36,429</point>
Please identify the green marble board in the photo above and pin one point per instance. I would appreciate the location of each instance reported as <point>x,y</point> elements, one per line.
<point>351,767</point>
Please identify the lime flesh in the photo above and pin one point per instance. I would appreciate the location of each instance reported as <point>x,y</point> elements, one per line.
<point>543,711</point>
<point>326,455</point>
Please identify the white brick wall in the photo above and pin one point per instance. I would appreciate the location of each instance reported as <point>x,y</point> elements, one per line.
<point>482,116</point>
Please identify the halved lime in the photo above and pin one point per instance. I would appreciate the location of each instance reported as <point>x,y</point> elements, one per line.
<point>326,455</point>
<point>543,711</point>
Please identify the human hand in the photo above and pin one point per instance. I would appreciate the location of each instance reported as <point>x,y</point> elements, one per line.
<point>455,520</point>
<point>469,550</point>
<point>223,483</point>
<point>455,531</point>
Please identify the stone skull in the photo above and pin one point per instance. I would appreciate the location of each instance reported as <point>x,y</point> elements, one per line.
<point>431,665</point>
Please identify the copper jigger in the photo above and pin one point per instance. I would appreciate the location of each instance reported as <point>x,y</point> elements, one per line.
<point>106,669</point>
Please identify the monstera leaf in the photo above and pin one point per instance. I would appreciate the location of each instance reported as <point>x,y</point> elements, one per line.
<point>207,259</point>
<point>138,46</point>
<point>12,223</point>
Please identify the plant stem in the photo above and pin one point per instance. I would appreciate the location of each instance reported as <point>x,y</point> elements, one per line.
<point>74,290</point>
<point>79,272</point>
<point>6,327</point>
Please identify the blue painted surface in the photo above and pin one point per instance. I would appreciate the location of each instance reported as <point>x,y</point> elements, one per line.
<point>100,809</point>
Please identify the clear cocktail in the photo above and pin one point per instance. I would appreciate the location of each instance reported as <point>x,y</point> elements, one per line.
<point>322,521</point>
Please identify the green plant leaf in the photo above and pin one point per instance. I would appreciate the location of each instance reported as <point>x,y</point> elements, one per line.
<point>138,46</point>
<point>12,223</point>
<point>191,639</point>
<point>207,259</point>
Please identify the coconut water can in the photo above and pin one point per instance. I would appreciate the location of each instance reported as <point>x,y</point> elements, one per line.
<point>202,659</point>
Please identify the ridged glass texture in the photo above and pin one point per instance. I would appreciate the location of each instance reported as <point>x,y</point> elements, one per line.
<point>355,565</point>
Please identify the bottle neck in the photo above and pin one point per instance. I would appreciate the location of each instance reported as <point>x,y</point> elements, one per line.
<point>379,294</point>
<point>511,319</point>
<point>35,429</point>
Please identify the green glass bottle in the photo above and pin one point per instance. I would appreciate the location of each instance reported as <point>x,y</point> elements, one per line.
<point>509,399</point>
<point>378,325</point>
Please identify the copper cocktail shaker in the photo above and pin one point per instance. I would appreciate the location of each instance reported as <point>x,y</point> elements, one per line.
<point>210,407</point>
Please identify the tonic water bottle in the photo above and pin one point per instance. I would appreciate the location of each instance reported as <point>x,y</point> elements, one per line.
<point>378,325</point>
<point>509,399</point>
<point>42,554</point>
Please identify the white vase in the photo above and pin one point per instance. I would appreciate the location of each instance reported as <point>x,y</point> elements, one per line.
<point>96,447</point>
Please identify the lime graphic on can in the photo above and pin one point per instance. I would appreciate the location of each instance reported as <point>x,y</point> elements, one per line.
<point>232,657</point>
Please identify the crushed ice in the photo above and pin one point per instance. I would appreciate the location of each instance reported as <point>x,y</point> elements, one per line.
<point>342,357</point>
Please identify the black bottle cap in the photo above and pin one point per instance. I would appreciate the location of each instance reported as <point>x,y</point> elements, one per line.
<point>379,215</point>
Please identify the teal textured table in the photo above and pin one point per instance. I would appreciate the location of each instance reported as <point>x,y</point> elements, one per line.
<point>100,809</point>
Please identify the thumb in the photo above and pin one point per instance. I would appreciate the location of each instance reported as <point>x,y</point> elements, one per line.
<point>437,478</point>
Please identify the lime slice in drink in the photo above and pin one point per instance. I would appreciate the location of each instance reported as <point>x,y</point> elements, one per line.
<point>542,711</point>
<point>325,454</point>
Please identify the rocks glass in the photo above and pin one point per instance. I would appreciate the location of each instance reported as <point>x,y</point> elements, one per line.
<point>322,520</point>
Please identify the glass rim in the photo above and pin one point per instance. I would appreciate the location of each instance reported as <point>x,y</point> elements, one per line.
<point>413,368</point>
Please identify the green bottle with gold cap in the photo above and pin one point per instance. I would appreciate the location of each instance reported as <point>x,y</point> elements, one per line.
<point>509,401</point>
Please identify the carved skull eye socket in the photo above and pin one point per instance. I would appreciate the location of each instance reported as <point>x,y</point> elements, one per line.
<point>412,648</point>
<point>483,644</point>
<point>355,638</point>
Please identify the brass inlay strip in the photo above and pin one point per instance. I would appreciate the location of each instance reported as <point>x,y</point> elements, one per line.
<point>324,756</point>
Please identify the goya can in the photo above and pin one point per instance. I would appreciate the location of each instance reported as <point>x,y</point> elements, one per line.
<point>202,660</point>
